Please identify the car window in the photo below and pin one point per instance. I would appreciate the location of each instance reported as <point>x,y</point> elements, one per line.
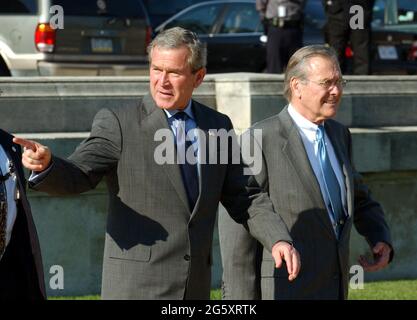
<point>166,7</point>
<point>314,16</point>
<point>378,14</point>
<point>407,11</point>
<point>199,20</point>
<point>394,12</point>
<point>18,6</point>
<point>110,8</point>
<point>161,10</point>
<point>241,18</point>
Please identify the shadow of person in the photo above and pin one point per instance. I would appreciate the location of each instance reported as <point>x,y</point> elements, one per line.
<point>315,241</point>
<point>129,228</point>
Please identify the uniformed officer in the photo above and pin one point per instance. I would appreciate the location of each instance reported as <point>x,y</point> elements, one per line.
<point>339,33</point>
<point>284,21</point>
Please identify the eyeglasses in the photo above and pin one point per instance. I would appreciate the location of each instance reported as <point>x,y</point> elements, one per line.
<point>329,84</point>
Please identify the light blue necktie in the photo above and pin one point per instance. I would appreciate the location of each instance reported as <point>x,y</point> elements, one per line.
<point>330,181</point>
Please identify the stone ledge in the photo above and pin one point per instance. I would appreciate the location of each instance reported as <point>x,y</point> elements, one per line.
<point>374,149</point>
<point>41,87</point>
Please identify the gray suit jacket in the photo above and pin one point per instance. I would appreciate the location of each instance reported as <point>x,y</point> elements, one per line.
<point>288,178</point>
<point>155,248</point>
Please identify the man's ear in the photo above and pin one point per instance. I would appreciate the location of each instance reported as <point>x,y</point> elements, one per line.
<point>199,77</point>
<point>295,87</point>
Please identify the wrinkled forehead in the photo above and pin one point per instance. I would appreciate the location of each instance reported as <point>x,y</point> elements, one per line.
<point>322,67</point>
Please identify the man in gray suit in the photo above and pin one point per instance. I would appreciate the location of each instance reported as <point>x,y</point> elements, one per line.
<point>308,173</point>
<point>161,216</point>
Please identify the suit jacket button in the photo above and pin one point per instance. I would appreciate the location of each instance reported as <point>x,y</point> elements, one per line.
<point>187,257</point>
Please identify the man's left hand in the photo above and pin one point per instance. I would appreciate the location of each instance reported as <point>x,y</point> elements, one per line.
<point>381,253</point>
<point>284,251</point>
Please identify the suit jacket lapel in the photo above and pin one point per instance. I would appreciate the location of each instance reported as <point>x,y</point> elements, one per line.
<point>153,120</point>
<point>294,149</point>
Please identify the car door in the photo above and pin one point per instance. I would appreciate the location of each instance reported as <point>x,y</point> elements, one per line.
<point>237,40</point>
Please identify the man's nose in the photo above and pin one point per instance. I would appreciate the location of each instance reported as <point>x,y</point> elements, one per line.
<point>336,89</point>
<point>163,77</point>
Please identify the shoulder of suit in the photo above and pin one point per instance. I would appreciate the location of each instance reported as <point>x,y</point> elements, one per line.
<point>211,112</point>
<point>122,111</point>
<point>270,122</point>
<point>336,125</point>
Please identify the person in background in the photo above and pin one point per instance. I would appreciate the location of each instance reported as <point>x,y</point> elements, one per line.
<point>284,27</point>
<point>338,32</point>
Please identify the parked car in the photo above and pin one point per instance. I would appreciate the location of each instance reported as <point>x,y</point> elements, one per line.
<point>234,34</point>
<point>161,10</point>
<point>231,30</point>
<point>394,37</point>
<point>99,37</point>
<point>236,42</point>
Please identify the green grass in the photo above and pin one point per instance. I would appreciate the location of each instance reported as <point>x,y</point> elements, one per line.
<point>386,290</point>
<point>381,290</point>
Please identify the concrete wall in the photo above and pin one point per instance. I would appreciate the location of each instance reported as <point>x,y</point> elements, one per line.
<point>381,111</point>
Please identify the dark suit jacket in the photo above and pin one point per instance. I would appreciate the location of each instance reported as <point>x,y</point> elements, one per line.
<point>21,271</point>
<point>288,178</point>
<point>155,248</point>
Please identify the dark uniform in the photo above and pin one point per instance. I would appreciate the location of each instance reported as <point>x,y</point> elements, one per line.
<point>338,32</point>
<point>284,23</point>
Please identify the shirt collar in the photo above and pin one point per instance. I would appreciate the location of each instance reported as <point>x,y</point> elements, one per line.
<point>188,110</point>
<point>306,126</point>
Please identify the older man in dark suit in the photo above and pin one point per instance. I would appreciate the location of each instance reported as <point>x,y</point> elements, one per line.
<point>161,215</point>
<point>21,272</point>
<point>308,173</point>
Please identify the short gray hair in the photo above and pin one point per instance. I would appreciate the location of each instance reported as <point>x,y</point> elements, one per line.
<point>296,66</point>
<point>178,37</point>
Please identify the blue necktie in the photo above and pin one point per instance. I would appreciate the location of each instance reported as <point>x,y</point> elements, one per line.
<point>330,181</point>
<point>188,170</point>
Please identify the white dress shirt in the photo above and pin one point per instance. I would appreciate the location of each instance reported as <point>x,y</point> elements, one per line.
<point>11,185</point>
<point>308,131</point>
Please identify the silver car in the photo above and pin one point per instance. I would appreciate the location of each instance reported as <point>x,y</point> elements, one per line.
<point>73,37</point>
